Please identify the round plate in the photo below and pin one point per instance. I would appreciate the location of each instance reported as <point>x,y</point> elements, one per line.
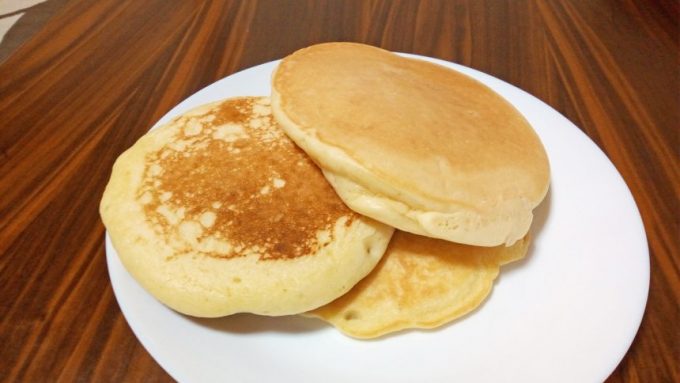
<point>566,313</point>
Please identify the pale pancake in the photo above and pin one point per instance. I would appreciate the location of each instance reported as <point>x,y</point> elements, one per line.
<point>218,212</point>
<point>420,282</point>
<point>412,144</point>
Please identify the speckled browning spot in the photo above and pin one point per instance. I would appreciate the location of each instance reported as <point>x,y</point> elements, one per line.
<point>232,184</point>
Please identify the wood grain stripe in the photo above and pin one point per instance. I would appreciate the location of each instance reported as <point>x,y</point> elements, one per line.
<point>613,74</point>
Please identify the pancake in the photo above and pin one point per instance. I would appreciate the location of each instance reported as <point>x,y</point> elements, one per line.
<point>218,212</point>
<point>412,144</point>
<point>420,282</point>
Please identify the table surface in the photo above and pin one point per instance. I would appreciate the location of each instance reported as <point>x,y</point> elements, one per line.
<point>99,73</point>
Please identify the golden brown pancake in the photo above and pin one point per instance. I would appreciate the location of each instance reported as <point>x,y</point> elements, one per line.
<point>415,145</point>
<point>218,212</point>
<point>420,282</point>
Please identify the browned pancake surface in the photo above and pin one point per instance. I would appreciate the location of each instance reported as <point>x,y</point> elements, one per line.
<point>218,212</point>
<point>244,182</point>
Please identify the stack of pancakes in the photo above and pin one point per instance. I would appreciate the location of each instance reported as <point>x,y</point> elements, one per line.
<point>290,206</point>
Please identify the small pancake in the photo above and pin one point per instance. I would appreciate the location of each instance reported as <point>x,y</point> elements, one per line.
<point>418,146</point>
<point>420,282</point>
<point>218,212</point>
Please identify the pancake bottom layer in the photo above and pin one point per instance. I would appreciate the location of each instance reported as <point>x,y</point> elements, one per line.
<point>419,283</point>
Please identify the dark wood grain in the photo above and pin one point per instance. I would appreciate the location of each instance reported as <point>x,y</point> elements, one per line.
<point>100,73</point>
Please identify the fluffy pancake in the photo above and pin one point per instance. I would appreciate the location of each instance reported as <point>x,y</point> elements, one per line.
<point>420,282</point>
<point>218,212</point>
<point>415,145</point>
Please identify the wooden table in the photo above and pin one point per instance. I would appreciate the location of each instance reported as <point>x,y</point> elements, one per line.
<point>100,73</point>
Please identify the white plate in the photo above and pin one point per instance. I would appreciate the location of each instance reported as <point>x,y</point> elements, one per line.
<point>568,312</point>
